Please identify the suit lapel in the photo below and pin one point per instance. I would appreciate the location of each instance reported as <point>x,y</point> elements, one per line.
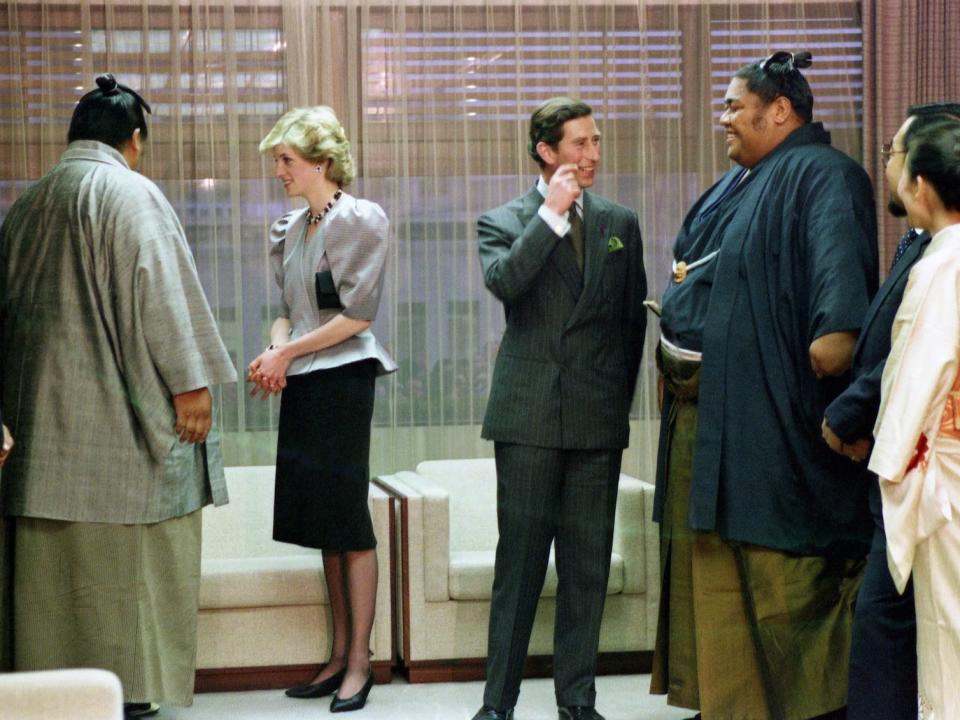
<point>562,257</point>
<point>594,245</point>
<point>903,265</point>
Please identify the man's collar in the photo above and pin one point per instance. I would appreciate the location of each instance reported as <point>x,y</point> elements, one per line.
<point>809,134</point>
<point>94,150</point>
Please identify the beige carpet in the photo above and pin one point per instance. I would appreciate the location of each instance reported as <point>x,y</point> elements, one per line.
<point>621,697</point>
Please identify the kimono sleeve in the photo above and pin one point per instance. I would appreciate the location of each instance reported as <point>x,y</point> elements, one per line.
<point>170,310</point>
<point>841,248</point>
<point>357,250</point>
<point>921,369</point>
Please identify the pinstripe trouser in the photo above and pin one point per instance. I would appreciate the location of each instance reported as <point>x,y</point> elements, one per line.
<point>567,497</point>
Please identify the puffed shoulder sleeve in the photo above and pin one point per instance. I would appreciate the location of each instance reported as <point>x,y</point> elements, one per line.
<point>278,236</point>
<point>357,250</point>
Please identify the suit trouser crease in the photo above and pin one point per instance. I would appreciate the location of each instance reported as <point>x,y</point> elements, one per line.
<point>545,495</point>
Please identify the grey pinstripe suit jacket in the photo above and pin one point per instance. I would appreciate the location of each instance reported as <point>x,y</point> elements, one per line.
<point>568,362</point>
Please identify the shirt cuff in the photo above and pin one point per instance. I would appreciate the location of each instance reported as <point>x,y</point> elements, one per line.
<point>558,223</point>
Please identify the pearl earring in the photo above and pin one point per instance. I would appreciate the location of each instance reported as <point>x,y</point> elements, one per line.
<point>319,168</point>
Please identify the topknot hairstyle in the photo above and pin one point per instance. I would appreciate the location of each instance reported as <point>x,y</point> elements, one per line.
<point>109,114</point>
<point>779,75</point>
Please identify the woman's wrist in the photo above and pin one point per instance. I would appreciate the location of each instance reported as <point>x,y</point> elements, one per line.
<point>281,348</point>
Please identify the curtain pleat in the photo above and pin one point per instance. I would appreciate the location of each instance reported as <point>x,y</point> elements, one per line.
<point>911,56</point>
<point>436,98</point>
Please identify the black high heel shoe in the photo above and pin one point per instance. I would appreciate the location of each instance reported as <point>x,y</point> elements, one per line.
<point>355,702</point>
<point>320,689</point>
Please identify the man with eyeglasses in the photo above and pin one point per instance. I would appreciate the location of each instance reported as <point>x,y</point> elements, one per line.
<point>883,657</point>
<point>762,543</point>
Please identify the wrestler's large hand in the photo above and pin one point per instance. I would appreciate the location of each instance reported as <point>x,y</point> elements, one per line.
<point>563,189</point>
<point>7,445</point>
<point>268,372</point>
<point>194,415</point>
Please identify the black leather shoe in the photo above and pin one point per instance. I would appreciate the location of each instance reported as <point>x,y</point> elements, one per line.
<point>320,689</point>
<point>579,712</point>
<point>140,709</point>
<point>488,713</point>
<point>355,702</point>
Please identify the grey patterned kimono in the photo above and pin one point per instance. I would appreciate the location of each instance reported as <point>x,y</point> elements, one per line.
<point>103,320</point>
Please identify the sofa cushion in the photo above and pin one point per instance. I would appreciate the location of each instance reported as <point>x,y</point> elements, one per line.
<point>262,582</point>
<point>472,489</point>
<point>471,575</point>
<point>244,527</point>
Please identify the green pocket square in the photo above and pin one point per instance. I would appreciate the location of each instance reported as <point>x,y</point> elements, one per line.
<point>614,244</point>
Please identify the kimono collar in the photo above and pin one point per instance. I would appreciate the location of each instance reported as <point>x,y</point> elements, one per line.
<point>948,235</point>
<point>809,134</point>
<point>94,150</point>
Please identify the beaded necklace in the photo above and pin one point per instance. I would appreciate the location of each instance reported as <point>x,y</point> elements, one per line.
<point>314,219</point>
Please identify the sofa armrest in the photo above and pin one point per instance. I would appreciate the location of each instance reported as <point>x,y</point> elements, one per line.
<point>632,531</point>
<point>427,531</point>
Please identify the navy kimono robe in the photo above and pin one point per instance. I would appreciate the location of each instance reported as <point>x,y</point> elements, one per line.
<point>796,260</point>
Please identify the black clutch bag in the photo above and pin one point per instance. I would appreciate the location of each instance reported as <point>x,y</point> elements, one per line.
<point>327,296</point>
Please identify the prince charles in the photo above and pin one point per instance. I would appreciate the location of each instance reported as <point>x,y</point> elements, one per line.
<point>568,267</point>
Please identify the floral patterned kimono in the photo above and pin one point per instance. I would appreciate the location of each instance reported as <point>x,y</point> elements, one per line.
<point>917,458</point>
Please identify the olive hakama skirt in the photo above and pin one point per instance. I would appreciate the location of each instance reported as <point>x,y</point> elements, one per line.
<point>122,598</point>
<point>743,627</point>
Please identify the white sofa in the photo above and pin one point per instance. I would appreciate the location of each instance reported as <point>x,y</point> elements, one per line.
<point>447,536</point>
<point>264,618</point>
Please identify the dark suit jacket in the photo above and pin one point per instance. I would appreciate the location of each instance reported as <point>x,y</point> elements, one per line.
<point>568,362</point>
<point>853,413</point>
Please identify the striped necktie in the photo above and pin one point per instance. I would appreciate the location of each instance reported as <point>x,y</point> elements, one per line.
<point>576,236</point>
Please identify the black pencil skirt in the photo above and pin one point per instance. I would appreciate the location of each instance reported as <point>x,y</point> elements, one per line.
<point>323,459</point>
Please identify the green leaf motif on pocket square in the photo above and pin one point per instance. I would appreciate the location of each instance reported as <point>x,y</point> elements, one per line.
<point>614,244</point>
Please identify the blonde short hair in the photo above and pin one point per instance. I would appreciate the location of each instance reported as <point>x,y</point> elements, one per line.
<point>317,135</point>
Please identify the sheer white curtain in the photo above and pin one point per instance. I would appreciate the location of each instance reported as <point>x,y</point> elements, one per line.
<point>436,98</point>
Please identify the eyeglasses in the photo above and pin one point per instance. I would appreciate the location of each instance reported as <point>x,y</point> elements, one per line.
<point>887,151</point>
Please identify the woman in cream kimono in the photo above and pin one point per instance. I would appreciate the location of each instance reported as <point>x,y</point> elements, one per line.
<point>917,450</point>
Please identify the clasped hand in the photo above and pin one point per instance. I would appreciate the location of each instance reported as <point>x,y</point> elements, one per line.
<point>856,451</point>
<point>268,372</point>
